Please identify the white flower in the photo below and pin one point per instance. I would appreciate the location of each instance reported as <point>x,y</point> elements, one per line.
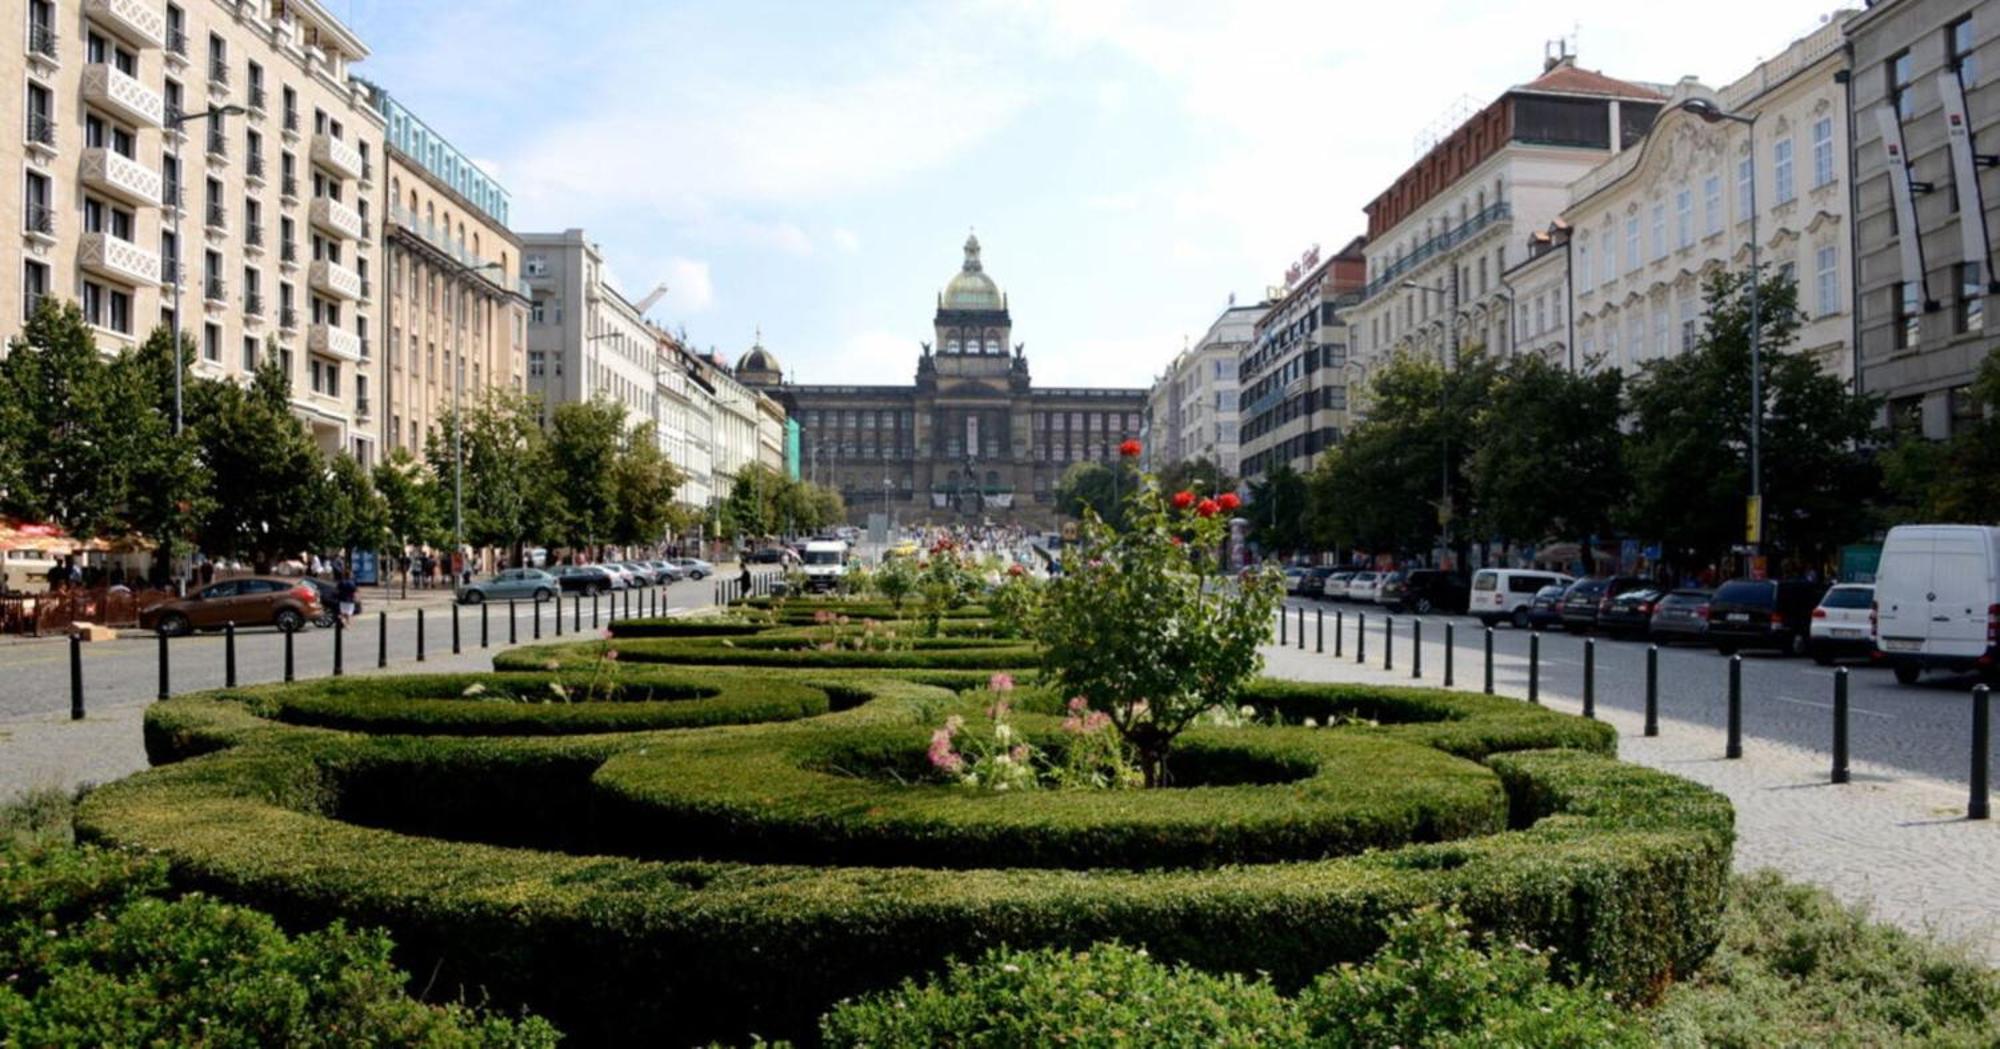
<point>474,689</point>
<point>1246,711</point>
<point>1309,723</point>
<point>1004,733</point>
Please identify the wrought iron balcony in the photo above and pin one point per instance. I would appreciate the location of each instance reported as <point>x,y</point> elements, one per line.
<point>218,216</point>
<point>218,73</point>
<point>258,96</point>
<point>215,289</point>
<point>218,143</point>
<point>361,408</point>
<point>253,234</point>
<point>42,40</point>
<point>289,187</point>
<point>40,220</point>
<point>171,196</point>
<point>253,304</point>
<point>170,272</point>
<point>288,251</point>
<point>41,130</point>
<point>177,42</point>
<point>253,167</point>
<point>288,318</point>
<point>292,121</point>
<point>1435,246</point>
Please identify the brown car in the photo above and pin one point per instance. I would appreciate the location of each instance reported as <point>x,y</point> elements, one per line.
<point>288,604</point>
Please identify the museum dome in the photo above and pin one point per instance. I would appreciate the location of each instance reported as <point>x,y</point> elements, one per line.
<point>972,289</point>
<point>758,365</point>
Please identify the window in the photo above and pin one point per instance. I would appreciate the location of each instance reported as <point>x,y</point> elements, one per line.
<point>1744,189</point>
<point>1690,328</point>
<point>249,354</point>
<point>1660,230</point>
<point>211,343</point>
<point>1959,47</point>
<point>107,307</point>
<point>40,213</point>
<point>1659,344</point>
<point>1971,298</point>
<point>1822,139</point>
<point>1908,317</point>
<point>1635,335</point>
<point>1782,152</point>
<point>1711,204</point>
<point>1826,273</point>
<point>1631,243</point>
<point>1900,73</point>
<point>1583,264</point>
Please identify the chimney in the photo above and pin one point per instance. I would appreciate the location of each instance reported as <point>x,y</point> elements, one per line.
<point>1557,53</point>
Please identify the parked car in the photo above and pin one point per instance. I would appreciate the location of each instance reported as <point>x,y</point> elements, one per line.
<point>769,555</point>
<point>288,604</point>
<point>1314,584</point>
<point>1585,598</point>
<point>696,568</point>
<point>1762,613</point>
<point>1681,615</point>
<point>588,579</point>
<point>1937,600</point>
<point>1424,590</point>
<point>513,584</point>
<point>645,572</point>
<point>329,602</point>
<point>1295,578</point>
<point>1842,624</point>
<point>1335,587</point>
<point>1503,595</point>
<point>1630,614</point>
<point>1364,586</point>
<point>667,571</point>
<point>1543,611</point>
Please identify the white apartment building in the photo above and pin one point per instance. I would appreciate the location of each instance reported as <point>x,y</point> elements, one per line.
<point>733,440</point>
<point>1443,235</point>
<point>585,340</point>
<point>208,162</point>
<point>1191,409</point>
<point>1647,225</point>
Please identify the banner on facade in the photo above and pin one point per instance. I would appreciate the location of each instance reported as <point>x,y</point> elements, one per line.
<point>1896,161</point>
<point>1973,239</point>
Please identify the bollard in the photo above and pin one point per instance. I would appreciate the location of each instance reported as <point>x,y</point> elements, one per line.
<point>1840,725</point>
<point>484,619</point>
<point>559,630</point>
<point>628,604</point>
<point>1489,661</point>
<point>163,667</point>
<point>1535,667</point>
<point>1734,748</point>
<point>1284,638</point>
<point>1319,630</point>
<point>1590,678</point>
<point>288,654</point>
<point>381,640</point>
<point>1302,629</point>
<point>537,611</point>
<point>1416,648</point>
<point>339,634</point>
<point>1448,631</point>
<point>513,622</point>
<point>576,613</point>
<point>1977,808</point>
<point>420,635</point>
<point>229,654</point>
<point>1388,642</point>
<point>1339,626</point>
<point>1360,637</point>
<point>454,628</point>
<point>1652,690</point>
<point>75,678</point>
<point>593,611</point>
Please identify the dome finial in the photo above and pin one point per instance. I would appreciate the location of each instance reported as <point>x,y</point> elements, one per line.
<point>972,253</point>
<point>757,339</point>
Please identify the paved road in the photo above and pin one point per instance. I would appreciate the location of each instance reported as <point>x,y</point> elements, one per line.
<point>34,675</point>
<point>1924,728</point>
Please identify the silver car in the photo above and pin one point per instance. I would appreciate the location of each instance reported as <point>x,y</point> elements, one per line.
<point>512,584</point>
<point>695,567</point>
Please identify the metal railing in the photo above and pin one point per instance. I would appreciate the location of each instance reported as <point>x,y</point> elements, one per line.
<point>42,39</point>
<point>170,272</point>
<point>253,304</point>
<point>291,120</point>
<point>253,234</point>
<point>216,290</point>
<point>258,96</point>
<point>254,166</point>
<point>170,197</point>
<point>41,130</point>
<point>218,143</point>
<point>289,186</point>
<point>367,290</point>
<point>1435,246</point>
<point>218,72</point>
<point>40,219</point>
<point>218,217</point>
<point>361,407</point>
<point>288,251</point>
<point>177,42</point>
<point>288,318</point>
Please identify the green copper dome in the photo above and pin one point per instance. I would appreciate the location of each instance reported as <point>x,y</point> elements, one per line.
<point>972,289</point>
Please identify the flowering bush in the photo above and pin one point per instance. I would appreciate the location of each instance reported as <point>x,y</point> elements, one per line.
<point>1014,602</point>
<point>896,580</point>
<point>998,757</point>
<point>945,583</point>
<point>1147,627</point>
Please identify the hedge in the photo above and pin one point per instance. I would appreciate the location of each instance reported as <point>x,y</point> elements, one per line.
<point>1620,869</point>
<point>712,626</point>
<point>781,650</point>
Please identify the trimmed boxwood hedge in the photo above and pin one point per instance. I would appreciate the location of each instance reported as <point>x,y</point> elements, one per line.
<point>1621,870</point>
<point>780,649</point>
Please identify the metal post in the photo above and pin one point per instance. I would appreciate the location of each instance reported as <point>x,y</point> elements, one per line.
<point>381,640</point>
<point>229,654</point>
<point>593,611</point>
<point>559,628</point>
<point>288,654</point>
<point>1979,807</point>
<point>1535,667</point>
<point>538,618</point>
<point>576,613</point>
<point>1388,642</point>
<point>1319,631</point>
<point>1840,774</point>
<point>75,678</point>
<point>1416,648</point>
<point>1339,628</point>
<point>339,648</point>
<point>420,635</point>
<point>1448,631</point>
<point>1734,748</point>
<point>1284,637</point>
<point>1652,690</point>
<point>1590,678</point>
<point>1360,637</point>
<point>513,622</point>
<point>484,633</point>
<point>164,690</point>
<point>1302,629</point>
<point>454,628</point>
<point>1489,661</point>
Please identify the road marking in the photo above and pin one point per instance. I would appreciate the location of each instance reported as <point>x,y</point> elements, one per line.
<point>1828,706</point>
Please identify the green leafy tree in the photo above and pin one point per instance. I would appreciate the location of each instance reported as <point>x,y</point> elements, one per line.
<point>1548,460</point>
<point>357,514</point>
<point>1954,481</point>
<point>271,481</point>
<point>510,496</point>
<point>584,443</point>
<point>1097,488</point>
<point>642,484</point>
<point>412,501</point>
<point>1200,475</point>
<point>749,510</point>
<point>1279,510</point>
<point>896,580</point>
<point>176,490</point>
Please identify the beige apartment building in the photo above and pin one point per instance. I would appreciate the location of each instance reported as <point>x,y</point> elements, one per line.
<point>210,156</point>
<point>455,326</point>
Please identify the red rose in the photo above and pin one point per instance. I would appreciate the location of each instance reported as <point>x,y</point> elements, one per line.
<point>1130,449</point>
<point>1228,501</point>
<point>1183,500</point>
<point>1207,508</point>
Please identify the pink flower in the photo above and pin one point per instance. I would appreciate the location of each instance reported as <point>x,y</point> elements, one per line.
<point>1077,705</point>
<point>942,757</point>
<point>1001,683</point>
<point>1097,720</point>
<point>606,634</point>
<point>1019,753</point>
<point>1072,726</point>
<point>611,654</point>
<point>822,617</point>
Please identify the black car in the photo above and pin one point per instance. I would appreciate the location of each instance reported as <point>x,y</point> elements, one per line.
<point>1629,614</point>
<point>1425,590</point>
<point>1682,615</point>
<point>1545,610</point>
<point>1763,613</point>
<point>1314,581</point>
<point>1585,598</point>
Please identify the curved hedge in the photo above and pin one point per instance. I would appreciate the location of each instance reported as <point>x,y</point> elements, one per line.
<point>488,859</point>
<point>782,648</point>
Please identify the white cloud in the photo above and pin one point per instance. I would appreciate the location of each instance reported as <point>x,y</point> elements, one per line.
<point>690,288</point>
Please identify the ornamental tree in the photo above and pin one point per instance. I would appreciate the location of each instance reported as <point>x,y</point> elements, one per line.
<point>1145,625</point>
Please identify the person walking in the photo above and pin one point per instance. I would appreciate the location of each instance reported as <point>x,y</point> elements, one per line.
<point>347,595</point>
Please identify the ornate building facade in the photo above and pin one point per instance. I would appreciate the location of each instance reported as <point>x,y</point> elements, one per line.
<point>972,440</point>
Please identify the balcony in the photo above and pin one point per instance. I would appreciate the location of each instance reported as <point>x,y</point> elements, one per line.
<point>117,175</point>
<point>253,168</point>
<point>177,43</point>
<point>170,197</point>
<point>218,144</point>
<point>105,85</point>
<point>253,305</point>
<point>292,122</point>
<point>253,237</point>
<point>288,188</point>
<point>136,21</point>
<point>336,218</point>
<point>218,75</point>
<point>327,340</point>
<point>336,156</point>
<point>1437,245</point>
<point>258,99</point>
<point>120,260</point>
<point>41,133</point>
<point>218,217</point>
<point>362,408</point>
<point>42,43</point>
<point>288,253</point>
<point>335,279</point>
<point>39,222</point>
<point>215,290</point>
<point>170,273</point>
<point>288,319</point>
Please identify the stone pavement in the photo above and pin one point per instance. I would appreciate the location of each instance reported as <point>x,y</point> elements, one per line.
<point>1896,842</point>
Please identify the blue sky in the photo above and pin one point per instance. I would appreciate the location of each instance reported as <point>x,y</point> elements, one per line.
<point>813,167</point>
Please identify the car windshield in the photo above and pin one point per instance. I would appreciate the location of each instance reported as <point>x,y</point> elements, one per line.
<point>1849,597</point>
<point>822,557</point>
<point>1486,581</point>
<point>1588,588</point>
<point>1684,598</point>
<point>1747,592</point>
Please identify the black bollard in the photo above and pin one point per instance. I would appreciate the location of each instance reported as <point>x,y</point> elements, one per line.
<point>1734,748</point>
<point>1489,661</point>
<point>1840,725</point>
<point>420,635</point>
<point>1388,642</point>
<point>537,612</point>
<point>593,611</point>
<point>288,654</point>
<point>339,635</point>
<point>229,654</point>
<point>1652,690</point>
<point>381,640</point>
<point>1416,648</point>
<point>628,604</point>
<point>1590,678</point>
<point>75,678</point>
<point>1319,631</point>
<point>559,628</point>
<point>484,635</point>
<point>1448,631</point>
<point>1978,806</point>
<point>164,690</point>
<point>1535,667</point>
<point>1360,637</point>
<point>1339,626</point>
<point>513,622</point>
<point>1284,636</point>
<point>1302,629</point>
<point>576,613</point>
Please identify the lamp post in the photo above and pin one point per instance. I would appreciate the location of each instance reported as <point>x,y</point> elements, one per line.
<point>173,128</point>
<point>1447,352</point>
<point>1710,113</point>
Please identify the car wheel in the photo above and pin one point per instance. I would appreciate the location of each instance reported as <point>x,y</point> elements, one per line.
<point>475,597</point>
<point>1423,606</point>
<point>542,594</point>
<point>1907,674</point>
<point>1800,646</point>
<point>1521,619</point>
<point>173,624</point>
<point>289,622</point>
<point>698,576</point>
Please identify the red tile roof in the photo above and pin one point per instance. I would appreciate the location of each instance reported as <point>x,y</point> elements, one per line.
<point>1568,79</point>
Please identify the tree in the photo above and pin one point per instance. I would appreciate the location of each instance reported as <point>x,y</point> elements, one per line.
<point>508,490</point>
<point>1548,459</point>
<point>1955,481</point>
<point>1277,511</point>
<point>643,483</point>
<point>1201,475</point>
<point>750,509</point>
<point>177,491</point>
<point>357,515</point>
<point>270,479</point>
<point>584,442</point>
<point>1098,487</point>
<point>412,501</point>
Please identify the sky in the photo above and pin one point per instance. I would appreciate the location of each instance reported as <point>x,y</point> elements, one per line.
<point>812,168</point>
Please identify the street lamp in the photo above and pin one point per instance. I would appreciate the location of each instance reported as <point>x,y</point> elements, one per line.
<point>180,180</point>
<point>1447,351</point>
<point>1710,113</point>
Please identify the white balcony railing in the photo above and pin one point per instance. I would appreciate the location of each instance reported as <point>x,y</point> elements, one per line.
<point>337,218</point>
<point>108,86</point>
<point>332,341</point>
<point>336,156</point>
<point>336,279</point>
<point>118,175</point>
<point>120,260</point>
<point>136,21</point>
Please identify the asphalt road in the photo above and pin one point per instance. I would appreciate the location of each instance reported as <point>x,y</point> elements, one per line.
<point>34,674</point>
<point>1924,729</point>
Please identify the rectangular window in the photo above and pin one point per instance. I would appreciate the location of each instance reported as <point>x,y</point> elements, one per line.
<point>1583,265</point>
<point>1711,203</point>
<point>1690,327</point>
<point>1660,230</point>
<point>1971,298</point>
<point>1822,137</point>
<point>1635,335</point>
<point>1782,153</point>
<point>1659,344</point>
<point>1744,190</point>
<point>1631,243</point>
<point>1684,218</point>
<point>1909,317</point>
<point>1826,274</point>
<point>211,343</point>
<point>1961,52</point>
<point>249,354</point>
<point>1900,73</point>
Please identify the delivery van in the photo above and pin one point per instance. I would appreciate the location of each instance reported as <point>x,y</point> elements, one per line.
<point>1937,600</point>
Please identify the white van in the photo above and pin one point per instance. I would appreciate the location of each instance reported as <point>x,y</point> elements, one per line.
<point>1937,599</point>
<point>825,564</point>
<point>1502,595</point>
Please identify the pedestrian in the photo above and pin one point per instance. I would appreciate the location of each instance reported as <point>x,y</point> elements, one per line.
<point>75,572</point>
<point>58,576</point>
<point>347,596</point>
<point>207,573</point>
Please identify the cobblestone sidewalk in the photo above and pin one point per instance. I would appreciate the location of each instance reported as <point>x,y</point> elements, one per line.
<point>1898,843</point>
